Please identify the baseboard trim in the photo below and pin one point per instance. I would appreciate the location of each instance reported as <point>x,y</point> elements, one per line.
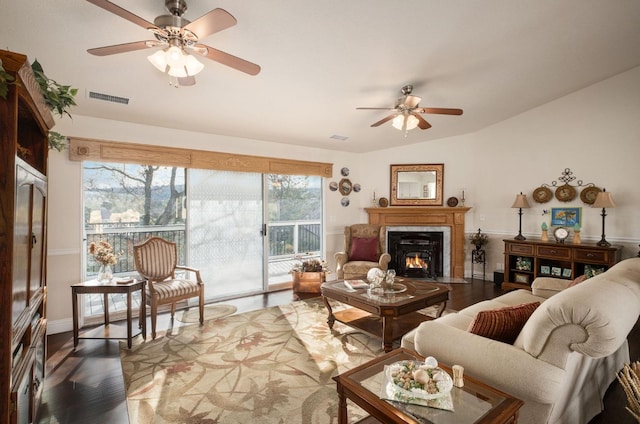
<point>59,326</point>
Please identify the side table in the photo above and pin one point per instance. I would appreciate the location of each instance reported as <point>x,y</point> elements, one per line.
<point>107,331</point>
<point>475,402</point>
<point>478,256</point>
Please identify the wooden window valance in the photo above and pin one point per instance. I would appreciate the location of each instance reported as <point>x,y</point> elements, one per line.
<point>110,151</point>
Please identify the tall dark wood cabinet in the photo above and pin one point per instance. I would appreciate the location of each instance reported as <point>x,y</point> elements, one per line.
<point>24,124</point>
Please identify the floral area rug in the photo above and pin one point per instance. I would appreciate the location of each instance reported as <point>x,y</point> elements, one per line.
<point>210,312</point>
<point>273,365</point>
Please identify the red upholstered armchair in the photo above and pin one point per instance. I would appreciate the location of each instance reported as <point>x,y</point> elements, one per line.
<point>365,247</point>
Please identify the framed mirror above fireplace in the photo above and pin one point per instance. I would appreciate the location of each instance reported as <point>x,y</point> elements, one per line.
<point>417,184</point>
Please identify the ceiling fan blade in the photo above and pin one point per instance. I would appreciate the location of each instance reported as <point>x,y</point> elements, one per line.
<point>439,110</point>
<point>422,123</point>
<point>187,81</point>
<point>123,48</point>
<point>375,108</point>
<point>123,13</point>
<point>383,120</point>
<point>212,22</point>
<point>227,59</point>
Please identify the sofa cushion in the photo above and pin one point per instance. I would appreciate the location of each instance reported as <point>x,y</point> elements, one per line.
<point>364,249</point>
<point>503,324</point>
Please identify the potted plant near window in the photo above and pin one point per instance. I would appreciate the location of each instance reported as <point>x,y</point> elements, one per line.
<point>308,275</point>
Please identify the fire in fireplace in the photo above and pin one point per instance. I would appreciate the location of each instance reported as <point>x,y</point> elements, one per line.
<point>416,254</point>
<point>416,262</point>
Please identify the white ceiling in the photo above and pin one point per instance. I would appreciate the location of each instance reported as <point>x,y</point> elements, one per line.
<point>320,60</point>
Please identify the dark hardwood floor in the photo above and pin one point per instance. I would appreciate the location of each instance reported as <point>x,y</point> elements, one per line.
<point>86,385</point>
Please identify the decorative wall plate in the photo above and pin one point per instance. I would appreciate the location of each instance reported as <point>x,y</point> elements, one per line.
<point>566,193</point>
<point>383,202</point>
<point>344,172</point>
<point>542,194</point>
<point>588,195</point>
<point>452,202</point>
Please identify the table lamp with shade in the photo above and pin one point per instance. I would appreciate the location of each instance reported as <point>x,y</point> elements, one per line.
<point>520,203</point>
<point>604,201</point>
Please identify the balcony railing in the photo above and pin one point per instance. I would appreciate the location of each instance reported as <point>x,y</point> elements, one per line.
<point>286,240</point>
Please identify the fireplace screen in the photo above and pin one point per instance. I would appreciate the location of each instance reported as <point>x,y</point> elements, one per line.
<point>416,255</point>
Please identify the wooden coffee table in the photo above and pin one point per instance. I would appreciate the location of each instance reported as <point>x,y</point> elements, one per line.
<point>397,311</point>
<point>475,402</point>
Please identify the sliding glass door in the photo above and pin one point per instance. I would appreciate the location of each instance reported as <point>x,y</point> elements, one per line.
<point>244,231</point>
<point>294,223</point>
<point>224,227</point>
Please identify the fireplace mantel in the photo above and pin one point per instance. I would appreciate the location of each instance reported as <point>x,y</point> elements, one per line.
<point>428,216</point>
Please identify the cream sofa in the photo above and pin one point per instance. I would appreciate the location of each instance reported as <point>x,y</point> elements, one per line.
<point>566,355</point>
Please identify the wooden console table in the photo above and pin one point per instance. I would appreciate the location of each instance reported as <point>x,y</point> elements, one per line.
<point>107,330</point>
<point>524,260</point>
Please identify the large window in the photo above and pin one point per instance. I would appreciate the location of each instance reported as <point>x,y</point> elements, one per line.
<point>243,230</point>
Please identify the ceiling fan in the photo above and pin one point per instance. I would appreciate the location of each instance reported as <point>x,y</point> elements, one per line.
<point>178,37</point>
<point>406,115</point>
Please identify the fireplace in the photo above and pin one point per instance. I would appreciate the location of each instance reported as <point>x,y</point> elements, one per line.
<point>430,218</point>
<point>416,254</point>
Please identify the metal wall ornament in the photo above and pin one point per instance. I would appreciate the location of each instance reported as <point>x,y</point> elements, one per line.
<point>564,191</point>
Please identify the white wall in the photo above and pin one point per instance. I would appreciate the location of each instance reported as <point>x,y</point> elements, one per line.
<point>595,132</point>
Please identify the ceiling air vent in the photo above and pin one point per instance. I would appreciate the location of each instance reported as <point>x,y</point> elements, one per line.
<point>339,137</point>
<point>108,98</point>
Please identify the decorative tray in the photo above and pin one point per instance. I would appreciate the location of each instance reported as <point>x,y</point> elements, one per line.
<point>415,379</point>
<point>385,291</point>
<point>400,386</point>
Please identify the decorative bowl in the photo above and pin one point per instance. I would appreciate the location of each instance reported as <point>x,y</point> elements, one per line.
<point>405,387</point>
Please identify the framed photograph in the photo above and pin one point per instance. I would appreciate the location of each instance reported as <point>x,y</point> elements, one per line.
<point>556,271</point>
<point>566,217</point>
<point>545,270</point>
<point>566,272</point>
<point>521,278</point>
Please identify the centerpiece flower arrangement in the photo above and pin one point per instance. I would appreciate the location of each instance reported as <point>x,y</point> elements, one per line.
<point>103,253</point>
<point>310,265</point>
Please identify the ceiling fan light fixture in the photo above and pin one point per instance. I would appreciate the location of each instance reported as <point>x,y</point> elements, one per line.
<point>193,65</point>
<point>174,56</point>
<point>176,62</point>
<point>177,71</point>
<point>158,60</point>
<point>405,122</point>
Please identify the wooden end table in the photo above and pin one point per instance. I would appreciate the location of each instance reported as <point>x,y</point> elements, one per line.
<point>475,402</point>
<point>398,311</point>
<point>107,331</point>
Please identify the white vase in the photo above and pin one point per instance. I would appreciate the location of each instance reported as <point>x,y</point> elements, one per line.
<point>105,274</point>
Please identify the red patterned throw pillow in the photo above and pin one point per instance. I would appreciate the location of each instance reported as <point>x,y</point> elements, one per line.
<point>503,324</point>
<point>577,281</point>
<point>364,249</point>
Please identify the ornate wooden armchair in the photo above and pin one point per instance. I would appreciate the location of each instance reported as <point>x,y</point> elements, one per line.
<point>365,247</point>
<point>156,261</point>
